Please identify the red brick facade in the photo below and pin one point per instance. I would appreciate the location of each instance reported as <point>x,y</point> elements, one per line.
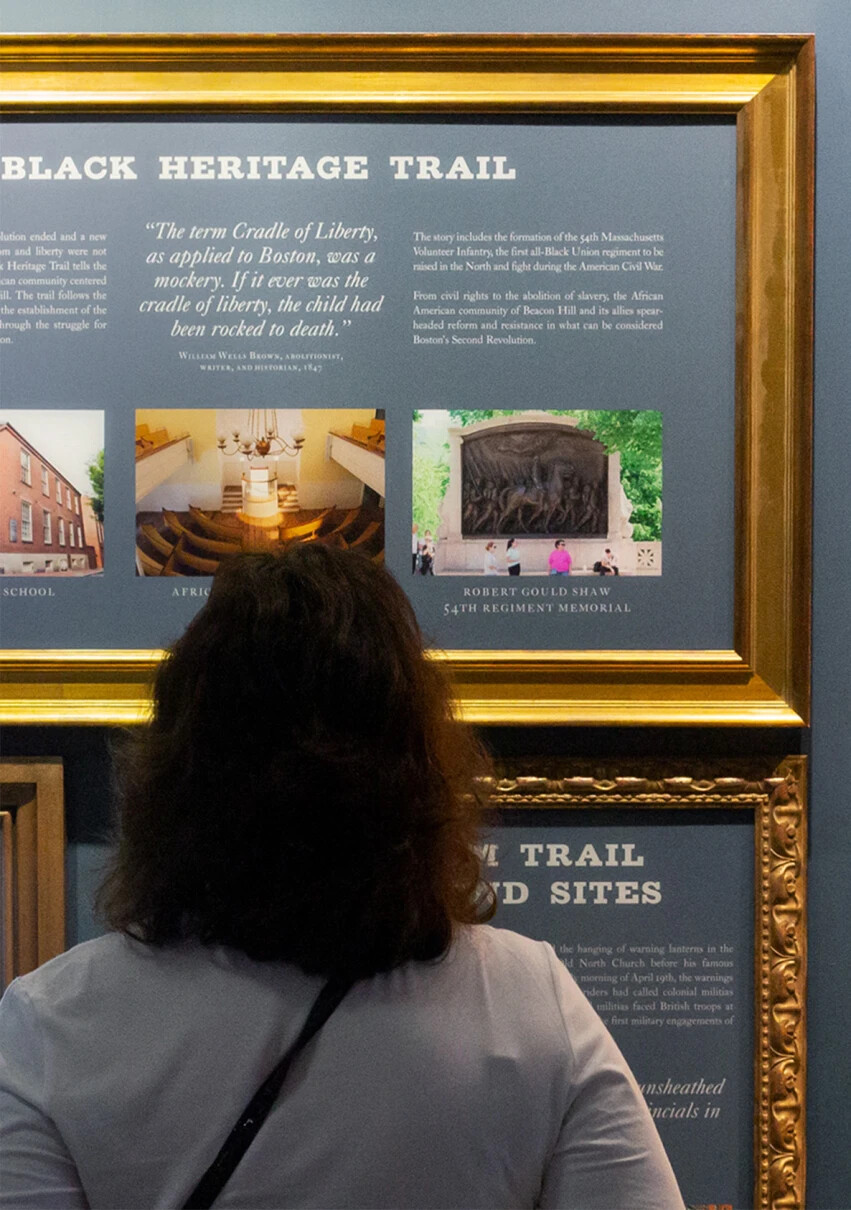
<point>41,513</point>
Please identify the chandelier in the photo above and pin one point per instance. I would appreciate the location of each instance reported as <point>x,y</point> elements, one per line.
<point>261,438</point>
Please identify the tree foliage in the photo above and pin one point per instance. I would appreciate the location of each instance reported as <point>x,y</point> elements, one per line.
<point>95,473</point>
<point>431,480</point>
<point>637,437</point>
<point>464,416</point>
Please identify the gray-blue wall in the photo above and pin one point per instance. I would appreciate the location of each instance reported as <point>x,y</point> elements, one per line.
<point>830,858</point>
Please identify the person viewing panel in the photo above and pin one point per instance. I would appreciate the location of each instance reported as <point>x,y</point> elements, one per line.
<point>303,810</point>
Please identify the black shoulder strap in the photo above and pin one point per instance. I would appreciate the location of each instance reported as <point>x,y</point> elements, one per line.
<point>252,1118</point>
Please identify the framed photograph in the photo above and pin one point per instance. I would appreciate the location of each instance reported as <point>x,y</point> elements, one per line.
<point>543,303</point>
<point>675,895</point>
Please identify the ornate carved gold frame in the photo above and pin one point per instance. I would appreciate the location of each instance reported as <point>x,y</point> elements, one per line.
<point>776,796</point>
<point>766,82</point>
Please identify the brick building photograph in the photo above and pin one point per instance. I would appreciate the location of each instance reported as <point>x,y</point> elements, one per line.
<point>51,492</point>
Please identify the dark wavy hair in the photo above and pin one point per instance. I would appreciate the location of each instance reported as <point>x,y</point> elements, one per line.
<point>303,791</point>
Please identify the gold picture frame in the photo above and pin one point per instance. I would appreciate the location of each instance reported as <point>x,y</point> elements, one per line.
<point>766,82</point>
<point>32,851</point>
<point>776,795</point>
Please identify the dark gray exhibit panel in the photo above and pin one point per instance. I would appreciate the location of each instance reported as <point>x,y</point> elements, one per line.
<point>652,913</point>
<point>397,265</point>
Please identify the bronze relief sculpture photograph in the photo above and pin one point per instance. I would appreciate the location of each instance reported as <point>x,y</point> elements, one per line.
<point>540,493</point>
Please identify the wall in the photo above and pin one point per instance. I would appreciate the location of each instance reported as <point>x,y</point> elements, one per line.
<point>199,423</point>
<point>830,858</point>
<point>323,481</point>
<point>197,482</point>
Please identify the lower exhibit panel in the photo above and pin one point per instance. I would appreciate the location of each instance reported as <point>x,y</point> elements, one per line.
<point>676,900</point>
<point>673,891</point>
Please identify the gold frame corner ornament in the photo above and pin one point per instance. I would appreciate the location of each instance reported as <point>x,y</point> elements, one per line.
<point>764,82</point>
<point>776,796</point>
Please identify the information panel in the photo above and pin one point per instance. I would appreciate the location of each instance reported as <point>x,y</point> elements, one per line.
<point>653,916</point>
<point>508,342</point>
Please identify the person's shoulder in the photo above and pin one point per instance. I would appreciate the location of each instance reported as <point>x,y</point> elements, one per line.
<point>503,951</point>
<point>77,966</point>
<point>525,977</point>
<point>99,971</point>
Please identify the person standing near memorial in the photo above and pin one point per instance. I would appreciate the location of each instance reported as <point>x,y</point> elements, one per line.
<point>415,548</point>
<point>512,557</point>
<point>303,813</point>
<point>428,550</point>
<point>491,567</point>
<point>560,561</point>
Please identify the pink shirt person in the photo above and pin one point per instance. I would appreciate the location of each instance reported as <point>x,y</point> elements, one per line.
<point>559,561</point>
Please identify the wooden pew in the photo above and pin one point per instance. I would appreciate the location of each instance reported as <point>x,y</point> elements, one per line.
<point>336,540</point>
<point>230,531</point>
<point>349,519</point>
<point>173,522</point>
<point>159,543</point>
<point>184,558</point>
<point>361,539</point>
<point>307,529</point>
<point>213,546</point>
<point>148,564</point>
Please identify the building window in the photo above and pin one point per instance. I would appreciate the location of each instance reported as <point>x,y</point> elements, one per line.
<point>77,503</point>
<point>26,473</point>
<point>61,531</point>
<point>46,532</point>
<point>79,536</point>
<point>71,541</point>
<point>26,521</point>
<point>58,492</point>
<point>13,529</point>
<point>45,482</point>
<point>68,496</point>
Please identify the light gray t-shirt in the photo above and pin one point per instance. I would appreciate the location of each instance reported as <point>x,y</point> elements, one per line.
<point>483,1080</point>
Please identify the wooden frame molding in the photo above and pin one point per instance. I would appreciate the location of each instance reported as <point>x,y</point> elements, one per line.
<point>765,82</point>
<point>32,844</point>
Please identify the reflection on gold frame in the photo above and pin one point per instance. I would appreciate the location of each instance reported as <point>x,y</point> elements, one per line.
<point>766,82</point>
<point>776,797</point>
<point>32,842</point>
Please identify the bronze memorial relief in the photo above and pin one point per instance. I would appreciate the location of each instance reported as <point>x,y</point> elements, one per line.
<point>489,483</point>
<point>534,479</point>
